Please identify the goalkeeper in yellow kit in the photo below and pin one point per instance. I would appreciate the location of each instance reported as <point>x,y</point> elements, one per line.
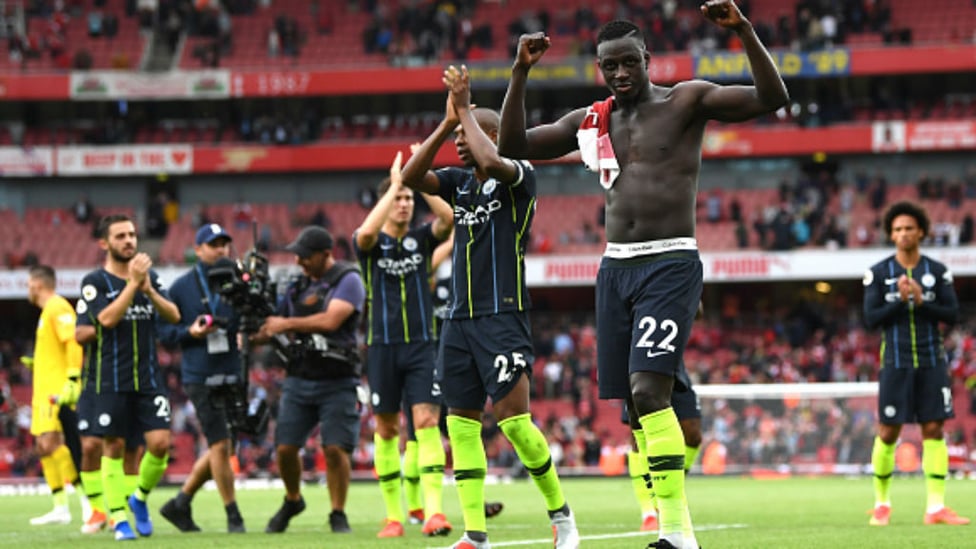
<point>57,369</point>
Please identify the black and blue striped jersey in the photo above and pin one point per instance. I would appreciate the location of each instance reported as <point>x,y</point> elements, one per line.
<point>397,272</point>
<point>491,232</point>
<point>911,337</point>
<point>121,359</point>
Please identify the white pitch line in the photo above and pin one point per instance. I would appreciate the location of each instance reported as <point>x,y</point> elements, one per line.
<point>704,528</point>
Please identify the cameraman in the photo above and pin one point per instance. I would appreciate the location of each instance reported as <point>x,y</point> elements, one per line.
<point>207,335</point>
<point>320,313</point>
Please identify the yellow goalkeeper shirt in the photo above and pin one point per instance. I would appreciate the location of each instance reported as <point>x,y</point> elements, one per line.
<point>55,349</point>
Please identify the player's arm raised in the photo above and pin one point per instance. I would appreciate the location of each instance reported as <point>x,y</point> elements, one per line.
<point>737,103</point>
<point>416,172</point>
<point>482,148</point>
<point>443,216</point>
<point>542,142</point>
<point>368,233</point>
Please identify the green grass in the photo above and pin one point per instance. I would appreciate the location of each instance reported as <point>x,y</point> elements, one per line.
<point>729,513</point>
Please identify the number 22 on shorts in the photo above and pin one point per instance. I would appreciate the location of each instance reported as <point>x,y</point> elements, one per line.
<point>649,324</point>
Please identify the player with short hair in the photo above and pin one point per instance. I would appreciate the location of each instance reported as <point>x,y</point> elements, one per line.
<point>124,386</point>
<point>395,259</point>
<point>908,295</point>
<point>645,143</point>
<point>56,382</point>
<point>486,345</point>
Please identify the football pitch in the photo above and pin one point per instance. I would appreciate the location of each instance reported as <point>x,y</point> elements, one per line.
<point>728,512</point>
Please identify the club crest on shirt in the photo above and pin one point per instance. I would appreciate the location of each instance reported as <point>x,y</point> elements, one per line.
<point>310,299</point>
<point>88,292</point>
<point>410,244</point>
<point>928,280</point>
<point>81,307</point>
<point>489,187</point>
<point>868,278</point>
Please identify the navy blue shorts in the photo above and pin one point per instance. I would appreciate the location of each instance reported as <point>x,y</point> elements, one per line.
<point>482,357</point>
<point>86,412</point>
<point>914,395</point>
<point>306,403</point>
<point>645,307</point>
<point>123,415</point>
<point>401,373</point>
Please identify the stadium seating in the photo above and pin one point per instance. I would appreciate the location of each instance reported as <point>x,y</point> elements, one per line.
<point>124,50</point>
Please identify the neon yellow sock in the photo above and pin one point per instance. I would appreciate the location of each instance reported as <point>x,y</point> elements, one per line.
<point>883,462</point>
<point>531,446</point>
<point>641,444</point>
<point>113,479</point>
<point>691,454</point>
<point>935,465</point>
<point>411,476</point>
<point>91,482</point>
<point>151,469</point>
<point>666,460</point>
<point>431,460</point>
<point>387,463</point>
<point>131,483</point>
<point>637,467</point>
<point>470,467</point>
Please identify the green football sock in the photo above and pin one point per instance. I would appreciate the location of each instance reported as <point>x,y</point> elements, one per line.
<point>470,466</point>
<point>666,460</point>
<point>411,476</point>
<point>935,465</point>
<point>91,482</point>
<point>641,444</point>
<point>531,446</point>
<point>387,462</point>
<point>113,479</point>
<point>691,454</point>
<point>637,467</point>
<point>431,461</point>
<point>883,462</point>
<point>151,469</point>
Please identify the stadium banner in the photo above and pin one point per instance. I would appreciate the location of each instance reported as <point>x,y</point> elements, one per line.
<point>750,266</point>
<point>340,156</point>
<point>135,86</point>
<point>719,142</point>
<point>913,59</point>
<point>34,86</point>
<point>26,161</point>
<point>734,66</point>
<point>730,141</point>
<point>125,160</point>
<point>948,135</point>
<point>365,81</point>
<point>581,270</point>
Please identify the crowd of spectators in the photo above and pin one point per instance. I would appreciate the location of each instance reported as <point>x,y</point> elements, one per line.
<point>816,340</point>
<point>427,31</point>
<point>818,209</point>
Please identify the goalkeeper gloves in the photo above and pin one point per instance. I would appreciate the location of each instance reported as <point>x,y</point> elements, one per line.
<point>70,392</point>
<point>27,361</point>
